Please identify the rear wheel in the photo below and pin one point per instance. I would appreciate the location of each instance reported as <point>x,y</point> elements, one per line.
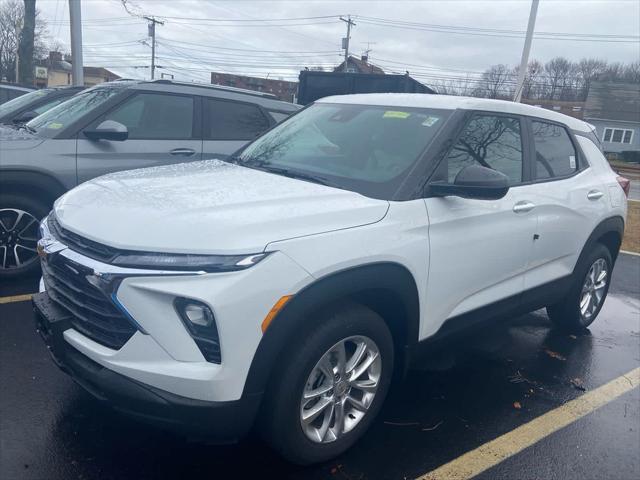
<point>329,388</point>
<point>591,285</point>
<point>19,221</point>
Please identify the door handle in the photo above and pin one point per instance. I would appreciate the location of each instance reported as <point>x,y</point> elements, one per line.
<point>184,152</point>
<point>594,195</point>
<point>523,207</point>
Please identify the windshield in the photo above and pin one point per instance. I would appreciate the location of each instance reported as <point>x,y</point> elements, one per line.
<point>53,121</point>
<point>23,100</point>
<point>364,148</point>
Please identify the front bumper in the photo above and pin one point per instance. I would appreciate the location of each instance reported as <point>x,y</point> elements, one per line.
<point>222,421</point>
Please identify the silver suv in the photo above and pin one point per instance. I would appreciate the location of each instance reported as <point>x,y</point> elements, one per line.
<point>116,126</point>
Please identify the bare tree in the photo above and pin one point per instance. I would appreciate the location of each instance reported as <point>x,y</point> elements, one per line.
<point>11,23</point>
<point>497,81</point>
<point>632,72</point>
<point>458,86</point>
<point>558,72</point>
<point>588,70</point>
<point>531,88</point>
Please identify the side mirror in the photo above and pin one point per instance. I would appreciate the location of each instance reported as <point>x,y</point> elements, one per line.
<point>25,117</point>
<point>475,182</point>
<point>108,130</point>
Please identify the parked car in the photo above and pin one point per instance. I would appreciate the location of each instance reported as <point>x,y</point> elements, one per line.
<point>27,107</point>
<point>287,283</point>
<point>9,91</point>
<point>116,126</point>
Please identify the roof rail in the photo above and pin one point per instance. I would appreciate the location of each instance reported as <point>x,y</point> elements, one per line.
<point>212,86</point>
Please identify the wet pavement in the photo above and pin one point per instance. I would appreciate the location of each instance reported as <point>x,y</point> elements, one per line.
<point>51,429</point>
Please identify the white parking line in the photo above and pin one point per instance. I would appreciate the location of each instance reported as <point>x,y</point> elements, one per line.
<point>496,451</point>
<point>16,298</point>
<point>627,252</point>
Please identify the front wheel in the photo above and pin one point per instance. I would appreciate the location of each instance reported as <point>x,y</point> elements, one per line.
<point>19,220</point>
<point>328,389</point>
<point>586,298</point>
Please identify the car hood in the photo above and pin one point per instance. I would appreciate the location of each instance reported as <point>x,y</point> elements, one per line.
<point>12,138</point>
<point>208,207</point>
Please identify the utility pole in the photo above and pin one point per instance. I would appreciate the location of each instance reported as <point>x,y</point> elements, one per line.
<point>152,34</point>
<point>25,48</point>
<point>18,28</point>
<point>525,51</point>
<point>75,20</point>
<point>345,41</point>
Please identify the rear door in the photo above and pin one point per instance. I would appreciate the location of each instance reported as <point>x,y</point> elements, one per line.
<point>569,201</point>
<point>228,125</point>
<point>480,248</point>
<point>164,128</point>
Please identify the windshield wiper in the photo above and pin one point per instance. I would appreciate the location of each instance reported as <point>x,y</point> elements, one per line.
<point>27,128</point>
<point>235,159</point>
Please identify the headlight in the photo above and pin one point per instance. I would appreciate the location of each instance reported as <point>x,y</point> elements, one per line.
<point>188,262</point>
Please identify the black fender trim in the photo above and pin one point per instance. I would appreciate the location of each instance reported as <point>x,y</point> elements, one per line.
<point>40,183</point>
<point>385,287</point>
<point>611,225</point>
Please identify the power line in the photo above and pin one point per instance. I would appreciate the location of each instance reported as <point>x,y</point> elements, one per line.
<point>492,30</point>
<point>496,33</point>
<point>282,55</point>
<point>246,49</point>
<point>248,20</point>
<point>265,25</point>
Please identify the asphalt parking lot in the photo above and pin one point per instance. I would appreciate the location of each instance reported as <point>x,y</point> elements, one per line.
<point>479,392</point>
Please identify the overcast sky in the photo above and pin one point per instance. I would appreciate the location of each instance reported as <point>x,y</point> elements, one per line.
<point>431,39</point>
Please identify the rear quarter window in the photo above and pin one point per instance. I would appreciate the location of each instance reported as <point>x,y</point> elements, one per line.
<point>230,120</point>
<point>556,155</point>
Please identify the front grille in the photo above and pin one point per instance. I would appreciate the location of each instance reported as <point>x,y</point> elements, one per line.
<point>92,313</point>
<point>80,244</point>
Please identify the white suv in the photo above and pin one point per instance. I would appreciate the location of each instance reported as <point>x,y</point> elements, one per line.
<point>287,283</point>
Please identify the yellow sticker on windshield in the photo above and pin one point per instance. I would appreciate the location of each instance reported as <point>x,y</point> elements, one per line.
<point>55,126</point>
<point>395,114</point>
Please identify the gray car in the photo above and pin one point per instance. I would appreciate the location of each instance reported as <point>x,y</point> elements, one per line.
<point>116,126</point>
<point>28,106</point>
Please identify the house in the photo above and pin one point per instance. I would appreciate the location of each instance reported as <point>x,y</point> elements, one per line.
<point>282,89</point>
<point>359,65</point>
<point>55,71</point>
<point>614,109</point>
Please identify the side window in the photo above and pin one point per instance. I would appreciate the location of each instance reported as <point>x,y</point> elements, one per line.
<point>150,116</point>
<point>555,153</point>
<point>230,120</point>
<point>491,141</point>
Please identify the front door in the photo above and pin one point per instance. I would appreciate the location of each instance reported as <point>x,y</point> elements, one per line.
<point>479,248</point>
<point>163,129</point>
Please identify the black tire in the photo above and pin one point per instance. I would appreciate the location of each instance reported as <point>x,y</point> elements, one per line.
<point>9,203</point>
<point>280,421</point>
<point>566,314</point>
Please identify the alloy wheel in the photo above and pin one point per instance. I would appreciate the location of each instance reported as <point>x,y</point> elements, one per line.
<point>18,238</point>
<point>593,289</point>
<point>340,389</point>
